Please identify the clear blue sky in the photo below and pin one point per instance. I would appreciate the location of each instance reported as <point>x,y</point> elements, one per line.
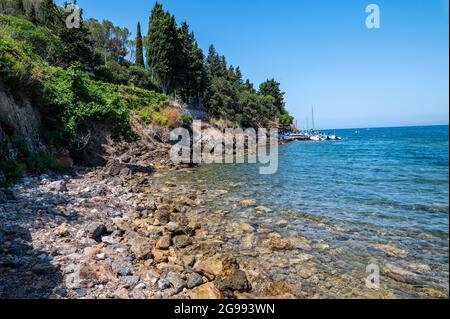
<point>323,54</point>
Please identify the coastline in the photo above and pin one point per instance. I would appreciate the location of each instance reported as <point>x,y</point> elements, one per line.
<point>123,232</point>
<point>108,233</point>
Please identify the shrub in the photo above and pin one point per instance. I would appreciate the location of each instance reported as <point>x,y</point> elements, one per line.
<point>186,120</point>
<point>172,116</point>
<point>12,169</point>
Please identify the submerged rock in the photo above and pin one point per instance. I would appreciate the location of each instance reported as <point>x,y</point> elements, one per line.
<point>401,275</point>
<point>247,202</point>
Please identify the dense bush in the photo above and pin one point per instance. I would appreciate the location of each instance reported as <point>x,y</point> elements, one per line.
<point>41,40</point>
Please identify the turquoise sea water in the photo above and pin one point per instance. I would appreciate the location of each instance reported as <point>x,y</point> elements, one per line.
<point>384,186</point>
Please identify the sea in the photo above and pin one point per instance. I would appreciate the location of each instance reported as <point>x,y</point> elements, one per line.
<point>375,202</point>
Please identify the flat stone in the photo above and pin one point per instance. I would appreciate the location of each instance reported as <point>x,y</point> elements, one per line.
<point>401,275</point>
<point>176,281</point>
<point>163,242</point>
<point>58,186</point>
<point>160,256</point>
<point>247,202</point>
<point>194,280</point>
<point>246,228</point>
<point>205,291</point>
<point>173,227</point>
<point>391,250</point>
<point>182,241</point>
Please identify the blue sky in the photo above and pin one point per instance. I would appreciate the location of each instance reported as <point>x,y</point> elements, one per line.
<point>323,54</point>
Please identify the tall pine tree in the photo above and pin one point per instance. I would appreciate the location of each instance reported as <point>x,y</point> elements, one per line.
<point>163,47</point>
<point>139,47</point>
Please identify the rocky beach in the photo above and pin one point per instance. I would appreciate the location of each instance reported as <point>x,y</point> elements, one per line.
<point>122,232</point>
<point>113,233</point>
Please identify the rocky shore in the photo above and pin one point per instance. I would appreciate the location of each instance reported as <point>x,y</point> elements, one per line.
<point>109,233</point>
<point>137,230</point>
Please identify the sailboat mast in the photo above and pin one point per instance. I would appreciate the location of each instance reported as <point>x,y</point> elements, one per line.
<point>313,122</point>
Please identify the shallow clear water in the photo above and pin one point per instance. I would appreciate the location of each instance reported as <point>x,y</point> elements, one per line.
<point>376,186</point>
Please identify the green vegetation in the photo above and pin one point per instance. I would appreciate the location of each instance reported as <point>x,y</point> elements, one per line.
<point>139,48</point>
<point>13,169</point>
<point>94,74</point>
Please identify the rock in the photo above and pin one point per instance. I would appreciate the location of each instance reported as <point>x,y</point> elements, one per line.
<point>101,256</point>
<point>194,280</point>
<point>246,228</point>
<point>173,227</point>
<point>95,231</point>
<point>276,242</point>
<point>125,158</point>
<point>191,228</point>
<point>169,267</point>
<point>247,202</point>
<point>163,283</point>
<point>186,201</point>
<point>109,240</point>
<point>282,223</point>
<point>391,250</point>
<point>176,280</point>
<point>401,275</point>
<point>163,243</point>
<point>247,242</point>
<point>236,282</point>
<point>205,291</point>
<point>58,186</point>
<point>130,281</point>
<point>161,217</point>
<point>160,256</point>
<point>216,265</point>
<point>62,231</point>
<point>150,277</point>
<point>420,267</point>
<point>73,281</point>
<point>121,269</point>
<point>141,247</point>
<point>122,293</point>
<point>182,241</point>
<point>264,209</point>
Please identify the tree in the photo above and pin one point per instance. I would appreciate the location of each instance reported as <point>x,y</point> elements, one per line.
<point>272,88</point>
<point>48,14</point>
<point>215,64</point>
<point>32,15</point>
<point>163,47</point>
<point>20,7</point>
<point>139,47</point>
<point>191,73</point>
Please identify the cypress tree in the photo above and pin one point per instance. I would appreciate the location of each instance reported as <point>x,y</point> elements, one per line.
<point>139,47</point>
<point>163,47</point>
